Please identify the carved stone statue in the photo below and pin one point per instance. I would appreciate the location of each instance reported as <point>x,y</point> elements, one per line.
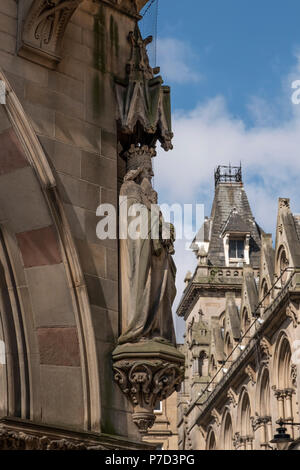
<point>147,267</point>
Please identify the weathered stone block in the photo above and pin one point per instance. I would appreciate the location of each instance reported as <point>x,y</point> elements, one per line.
<point>109,318</point>
<point>17,83</point>
<point>112,264</point>
<point>83,19</point>
<point>99,170</point>
<point>39,247</point>
<point>8,24</point>
<point>72,68</point>
<point>43,119</point>
<point>102,292</point>
<point>76,132</point>
<point>61,395</point>
<point>52,100</point>
<point>59,346</point>
<point>66,85</point>
<point>25,207</point>
<point>100,98</point>
<point>50,296</point>
<point>9,7</point>
<point>23,68</point>
<point>109,144</point>
<point>108,196</point>
<point>78,51</point>
<point>65,158</point>
<point>12,156</point>
<point>92,257</point>
<point>7,43</point>
<point>83,225</point>
<point>74,32</point>
<point>77,192</point>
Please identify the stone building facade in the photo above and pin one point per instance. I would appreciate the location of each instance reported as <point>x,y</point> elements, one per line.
<point>77,93</point>
<point>242,315</point>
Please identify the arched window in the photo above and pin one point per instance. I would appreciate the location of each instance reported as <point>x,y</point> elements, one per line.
<point>228,432</point>
<point>285,392</point>
<point>265,410</point>
<point>283,263</point>
<point>284,365</point>
<point>245,416</point>
<point>265,295</point>
<point>228,346</point>
<point>265,394</point>
<point>245,322</point>
<point>211,441</point>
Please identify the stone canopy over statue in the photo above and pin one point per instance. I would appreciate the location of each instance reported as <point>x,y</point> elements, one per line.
<point>147,267</point>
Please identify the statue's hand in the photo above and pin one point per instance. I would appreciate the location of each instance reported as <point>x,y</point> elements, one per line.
<point>157,247</point>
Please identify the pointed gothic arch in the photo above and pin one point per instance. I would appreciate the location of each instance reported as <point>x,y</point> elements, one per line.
<point>36,239</point>
<point>211,442</point>
<point>227,430</point>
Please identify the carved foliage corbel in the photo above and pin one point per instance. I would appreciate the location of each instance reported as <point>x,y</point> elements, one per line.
<point>251,374</point>
<point>292,311</point>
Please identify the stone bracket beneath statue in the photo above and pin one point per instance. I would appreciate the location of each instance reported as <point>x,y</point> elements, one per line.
<point>147,372</point>
<point>42,24</point>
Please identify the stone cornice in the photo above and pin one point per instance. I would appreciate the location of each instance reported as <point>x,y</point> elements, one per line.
<point>195,289</point>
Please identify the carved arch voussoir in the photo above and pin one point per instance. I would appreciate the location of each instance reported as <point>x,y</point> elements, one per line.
<point>43,30</point>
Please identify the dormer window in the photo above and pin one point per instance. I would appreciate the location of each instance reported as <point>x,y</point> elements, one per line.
<point>236,249</point>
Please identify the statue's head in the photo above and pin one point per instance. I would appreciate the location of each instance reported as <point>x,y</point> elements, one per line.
<point>140,158</point>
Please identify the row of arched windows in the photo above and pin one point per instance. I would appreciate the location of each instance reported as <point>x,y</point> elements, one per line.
<point>251,424</point>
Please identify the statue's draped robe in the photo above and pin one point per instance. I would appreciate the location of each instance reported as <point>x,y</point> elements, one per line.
<point>147,280</point>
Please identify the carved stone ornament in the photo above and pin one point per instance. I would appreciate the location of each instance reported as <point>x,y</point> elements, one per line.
<point>147,372</point>
<point>284,203</point>
<point>292,312</point>
<point>265,349</point>
<point>44,28</point>
<point>232,397</point>
<point>251,374</point>
<point>294,374</point>
<point>18,440</point>
<point>143,103</point>
<point>216,417</point>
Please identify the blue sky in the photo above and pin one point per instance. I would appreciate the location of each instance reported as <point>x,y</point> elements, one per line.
<point>230,65</point>
<point>240,48</point>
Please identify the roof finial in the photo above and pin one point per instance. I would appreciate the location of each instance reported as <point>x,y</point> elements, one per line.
<point>228,174</point>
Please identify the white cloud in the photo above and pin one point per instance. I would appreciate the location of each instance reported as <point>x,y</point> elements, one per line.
<point>209,135</point>
<point>175,58</point>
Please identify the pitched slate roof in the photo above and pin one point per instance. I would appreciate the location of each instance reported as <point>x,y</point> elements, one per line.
<point>231,205</point>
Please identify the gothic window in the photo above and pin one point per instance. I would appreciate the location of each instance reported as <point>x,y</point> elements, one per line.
<point>265,293</point>
<point>228,346</point>
<point>265,413</point>
<point>236,248</point>
<point>283,265</point>
<point>265,394</point>
<point>211,441</point>
<point>202,364</point>
<point>245,322</point>
<point>285,393</point>
<point>245,416</point>
<point>228,433</point>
